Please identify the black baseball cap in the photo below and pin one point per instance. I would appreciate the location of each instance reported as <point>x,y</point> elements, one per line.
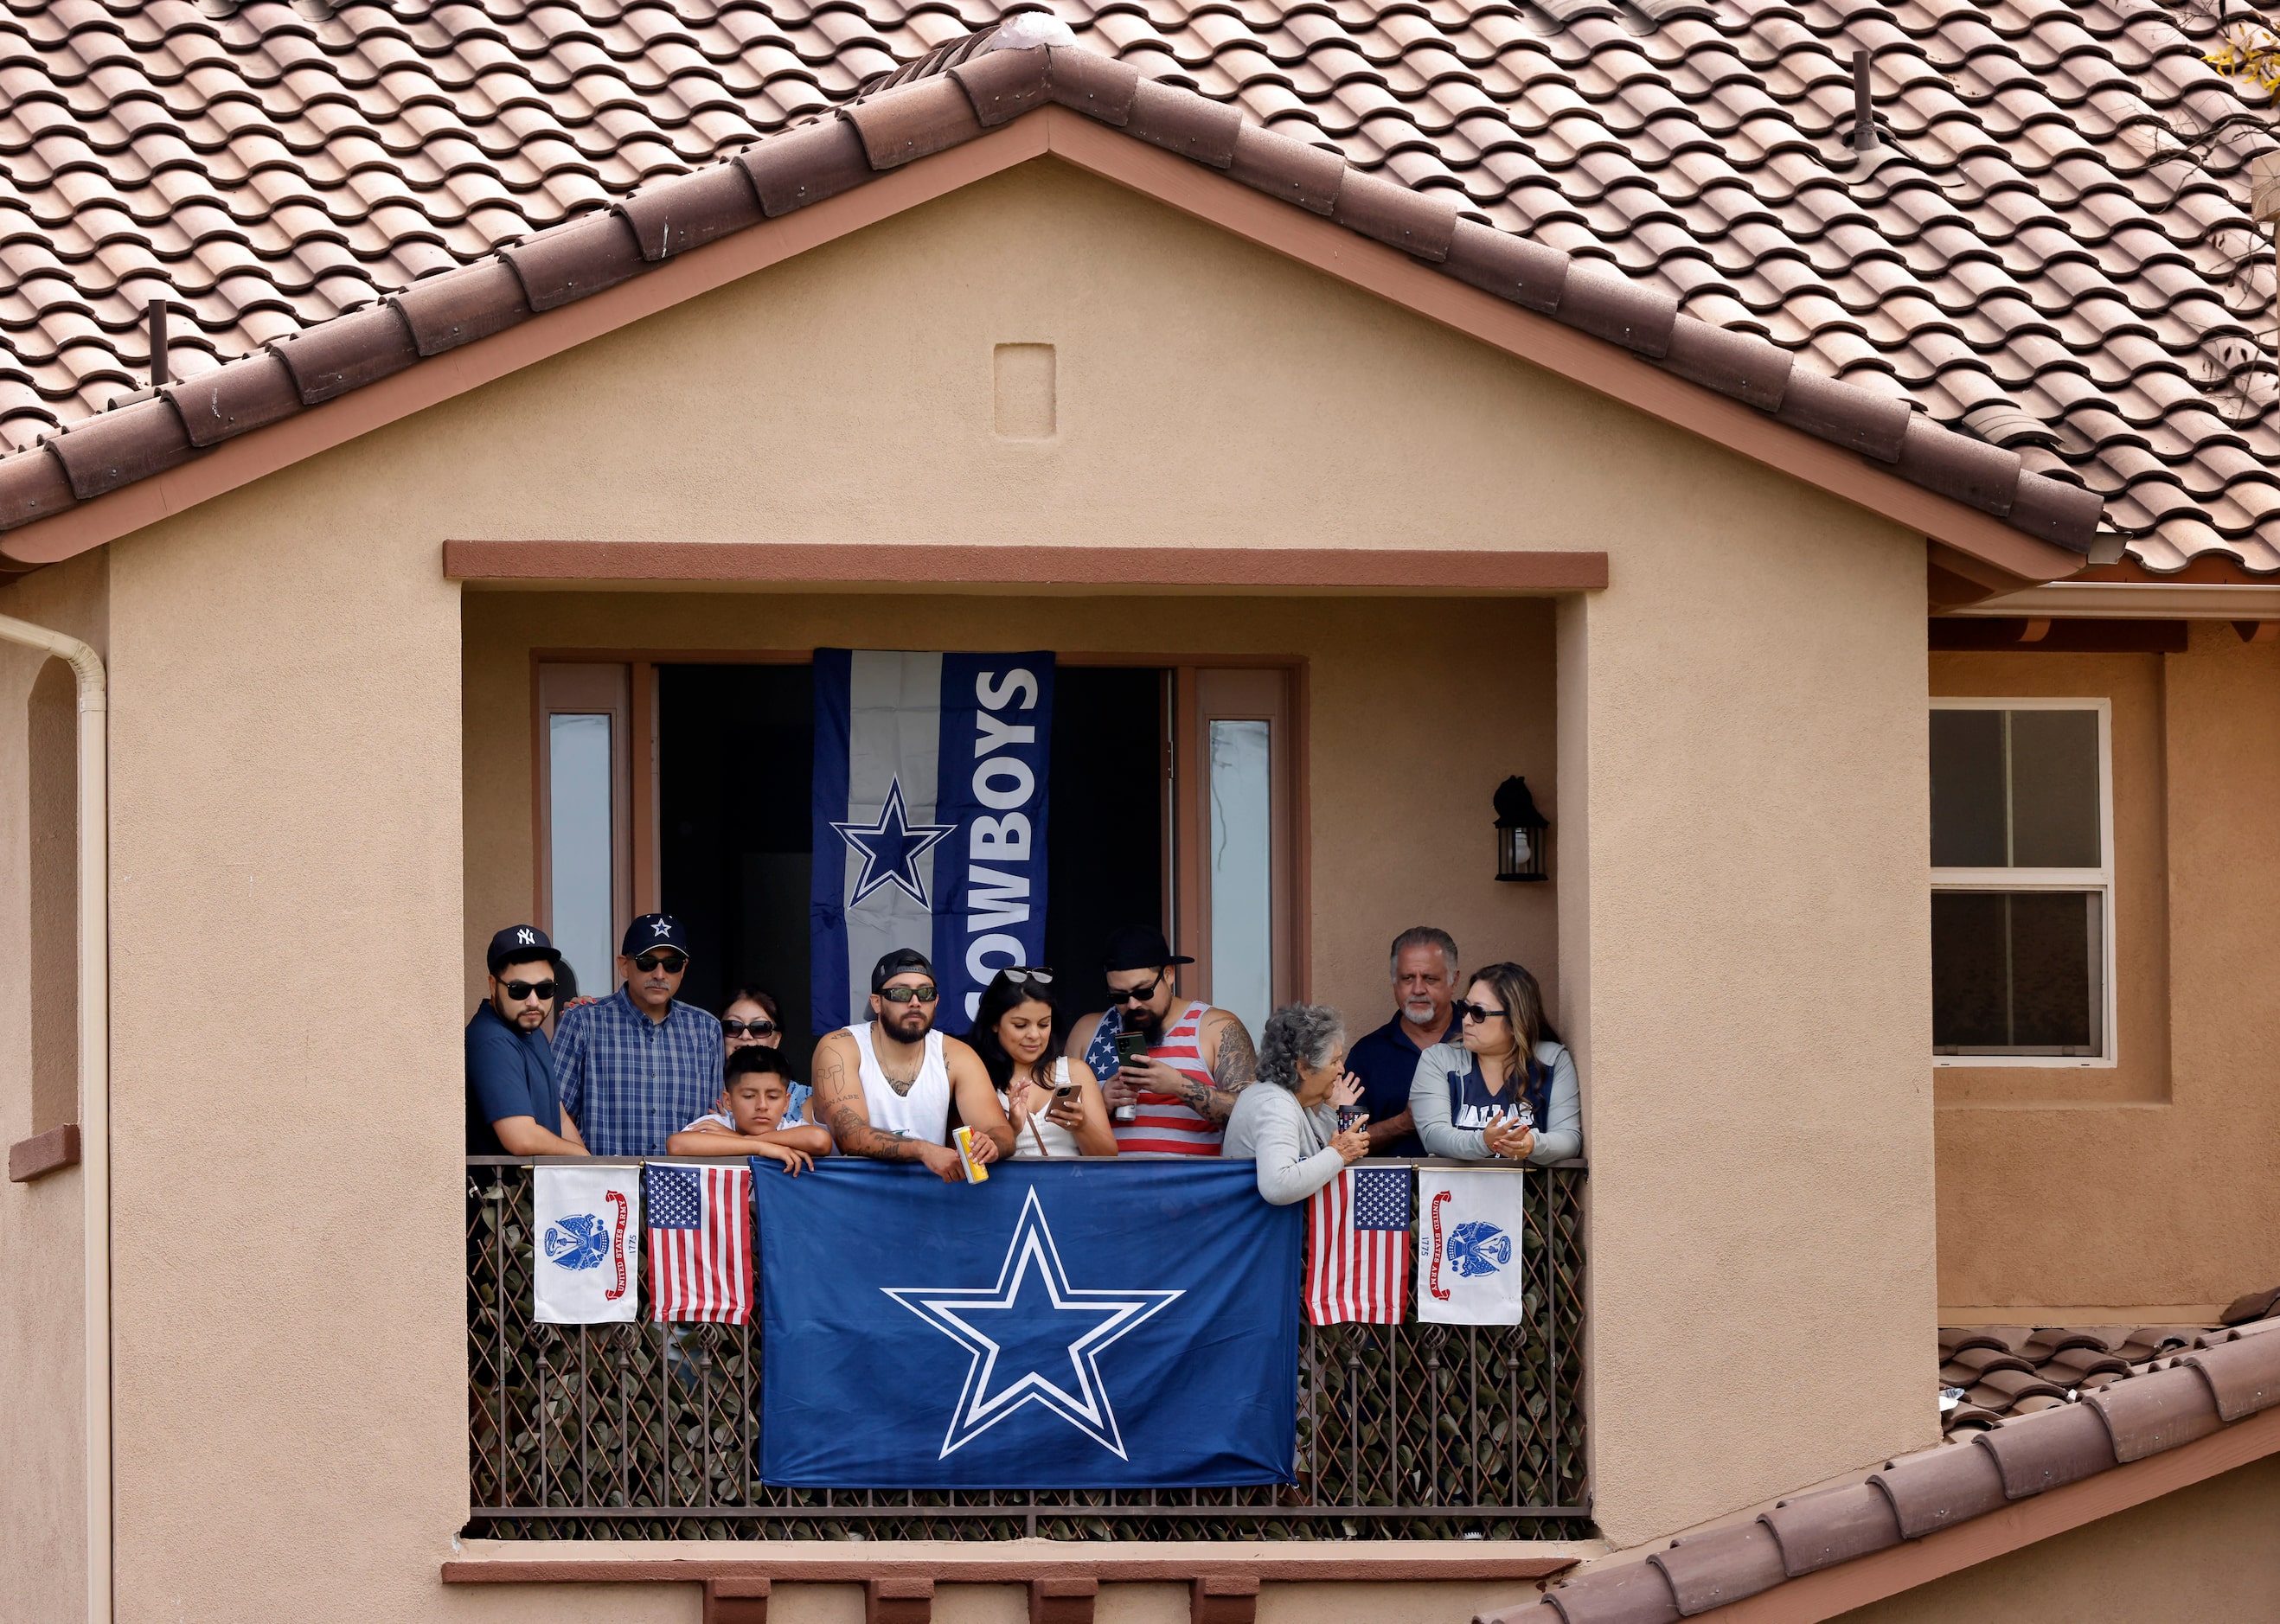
<point>519,945</point>
<point>654,930</point>
<point>900,962</point>
<point>1140,947</point>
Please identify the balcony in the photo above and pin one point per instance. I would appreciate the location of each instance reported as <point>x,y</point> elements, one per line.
<point>643,1432</point>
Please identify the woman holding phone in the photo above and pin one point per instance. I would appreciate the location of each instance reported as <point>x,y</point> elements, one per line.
<point>1509,1091</point>
<point>1054,1104</point>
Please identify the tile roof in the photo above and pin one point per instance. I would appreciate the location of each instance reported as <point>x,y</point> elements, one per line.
<point>2011,257</point>
<point>951,95</point>
<point>2039,1407</point>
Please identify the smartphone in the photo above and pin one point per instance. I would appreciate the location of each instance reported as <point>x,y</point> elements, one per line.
<point>1131,1047</point>
<point>1351,1117</point>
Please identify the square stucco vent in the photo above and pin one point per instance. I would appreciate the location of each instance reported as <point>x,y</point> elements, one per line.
<point>1026,407</point>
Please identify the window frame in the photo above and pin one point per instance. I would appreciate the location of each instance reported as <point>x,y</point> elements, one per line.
<point>2099,880</point>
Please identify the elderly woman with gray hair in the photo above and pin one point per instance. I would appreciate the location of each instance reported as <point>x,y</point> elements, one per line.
<point>1286,1121</point>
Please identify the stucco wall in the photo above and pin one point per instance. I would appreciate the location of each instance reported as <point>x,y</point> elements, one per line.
<point>42,1303</point>
<point>289,885</point>
<point>2048,1177</point>
<point>2203,1552</point>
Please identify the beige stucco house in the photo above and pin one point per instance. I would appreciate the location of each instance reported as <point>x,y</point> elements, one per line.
<point>1025,347</point>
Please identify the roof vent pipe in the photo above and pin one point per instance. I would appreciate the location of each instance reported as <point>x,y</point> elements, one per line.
<point>1864,113</point>
<point>157,314</point>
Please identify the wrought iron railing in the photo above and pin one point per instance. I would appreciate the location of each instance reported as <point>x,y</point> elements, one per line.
<point>1404,1431</point>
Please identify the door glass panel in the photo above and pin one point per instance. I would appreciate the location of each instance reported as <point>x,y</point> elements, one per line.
<point>2018,972</point>
<point>1241,871</point>
<point>581,847</point>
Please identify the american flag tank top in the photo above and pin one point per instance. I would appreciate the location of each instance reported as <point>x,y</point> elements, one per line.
<point>1164,1124</point>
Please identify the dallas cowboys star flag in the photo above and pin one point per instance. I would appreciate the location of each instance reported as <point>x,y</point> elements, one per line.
<point>1033,1332</point>
<point>930,821</point>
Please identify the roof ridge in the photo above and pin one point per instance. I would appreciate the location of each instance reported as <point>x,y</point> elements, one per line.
<point>962,89</point>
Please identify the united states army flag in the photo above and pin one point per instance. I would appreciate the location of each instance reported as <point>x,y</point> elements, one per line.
<point>1470,1267</point>
<point>586,1221</point>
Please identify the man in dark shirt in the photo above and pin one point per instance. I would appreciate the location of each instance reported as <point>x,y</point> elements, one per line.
<point>513,1108</point>
<point>1425,986</point>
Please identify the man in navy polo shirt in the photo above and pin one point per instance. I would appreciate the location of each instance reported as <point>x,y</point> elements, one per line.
<point>636,1067</point>
<point>512,1109</point>
<point>1425,986</point>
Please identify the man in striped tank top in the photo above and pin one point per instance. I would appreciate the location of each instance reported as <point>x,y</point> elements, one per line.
<point>1199,1058</point>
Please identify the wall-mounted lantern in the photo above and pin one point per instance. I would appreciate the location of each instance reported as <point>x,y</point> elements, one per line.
<point>1522,835</point>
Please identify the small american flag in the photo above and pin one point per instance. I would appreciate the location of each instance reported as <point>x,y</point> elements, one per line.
<point>1357,1248</point>
<point>700,1242</point>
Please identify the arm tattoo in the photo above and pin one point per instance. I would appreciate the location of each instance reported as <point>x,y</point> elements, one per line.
<point>851,1125</point>
<point>1235,1066</point>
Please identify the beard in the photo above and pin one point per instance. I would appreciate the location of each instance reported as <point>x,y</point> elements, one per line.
<point>907,1023</point>
<point>1419,1014</point>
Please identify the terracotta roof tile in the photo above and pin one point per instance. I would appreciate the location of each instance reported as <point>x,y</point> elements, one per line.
<point>2054,1404</point>
<point>2006,242</point>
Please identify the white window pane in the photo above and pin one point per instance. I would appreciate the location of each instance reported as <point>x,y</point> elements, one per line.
<point>1242,876</point>
<point>580,847</point>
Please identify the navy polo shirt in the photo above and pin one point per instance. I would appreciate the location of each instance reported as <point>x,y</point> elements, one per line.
<point>510,1073</point>
<point>1386,1062</point>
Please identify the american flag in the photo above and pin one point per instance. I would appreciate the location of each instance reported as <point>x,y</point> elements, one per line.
<point>700,1242</point>
<point>1358,1247</point>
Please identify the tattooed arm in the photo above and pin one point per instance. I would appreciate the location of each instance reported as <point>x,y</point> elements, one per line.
<point>837,1103</point>
<point>1227,1050</point>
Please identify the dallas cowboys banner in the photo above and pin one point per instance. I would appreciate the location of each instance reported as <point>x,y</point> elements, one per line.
<point>930,821</point>
<point>1033,1332</point>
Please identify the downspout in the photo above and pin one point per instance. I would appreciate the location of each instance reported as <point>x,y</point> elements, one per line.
<point>94,1080</point>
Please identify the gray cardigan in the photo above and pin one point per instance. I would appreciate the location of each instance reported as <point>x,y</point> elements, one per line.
<point>1557,1137</point>
<point>1291,1143</point>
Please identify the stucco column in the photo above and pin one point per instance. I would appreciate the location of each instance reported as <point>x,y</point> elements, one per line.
<point>1744,968</point>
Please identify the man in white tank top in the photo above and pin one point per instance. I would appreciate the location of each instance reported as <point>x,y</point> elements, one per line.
<point>884,1088</point>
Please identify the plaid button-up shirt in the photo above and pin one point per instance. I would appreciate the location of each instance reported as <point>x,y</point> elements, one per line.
<point>630,1082</point>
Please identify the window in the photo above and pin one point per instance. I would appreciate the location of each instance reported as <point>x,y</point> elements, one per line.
<point>586,889</point>
<point>2022,882</point>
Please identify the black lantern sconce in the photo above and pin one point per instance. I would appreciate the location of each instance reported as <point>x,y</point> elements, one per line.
<point>1522,835</point>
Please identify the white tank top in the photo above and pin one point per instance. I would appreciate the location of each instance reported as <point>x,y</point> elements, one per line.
<point>1042,1137</point>
<point>923,1113</point>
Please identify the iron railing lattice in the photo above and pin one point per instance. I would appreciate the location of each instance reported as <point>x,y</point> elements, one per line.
<point>640,1431</point>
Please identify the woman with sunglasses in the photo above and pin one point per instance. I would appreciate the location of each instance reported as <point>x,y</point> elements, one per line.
<point>750,1019</point>
<point>1509,1091</point>
<point>1054,1103</point>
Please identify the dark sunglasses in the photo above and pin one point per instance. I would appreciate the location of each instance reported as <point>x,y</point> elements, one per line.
<point>655,956</point>
<point>1476,1011</point>
<point>520,990</point>
<point>903,995</point>
<point>757,1028</point>
<point>1136,995</point>
<point>1028,975</point>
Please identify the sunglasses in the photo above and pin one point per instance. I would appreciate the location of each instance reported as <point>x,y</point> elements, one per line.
<point>757,1028</point>
<point>903,995</point>
<point>1027,975</point>
<point>520,990</point>
<point>657,957</point>
<point>1136,995</point>
<point>1477,1011</point>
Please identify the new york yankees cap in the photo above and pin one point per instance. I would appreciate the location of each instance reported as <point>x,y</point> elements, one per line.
<point>519,943</point>
<point>654,930</point>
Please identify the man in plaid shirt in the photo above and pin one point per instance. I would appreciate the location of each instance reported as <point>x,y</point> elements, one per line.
<point>633,1067</point>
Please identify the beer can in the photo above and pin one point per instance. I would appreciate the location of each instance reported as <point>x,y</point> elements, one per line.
<point>976,1172</point>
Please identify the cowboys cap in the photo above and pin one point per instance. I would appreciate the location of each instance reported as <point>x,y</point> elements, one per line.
<point>654,930</point>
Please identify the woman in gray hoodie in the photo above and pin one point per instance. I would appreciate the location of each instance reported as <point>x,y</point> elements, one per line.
<point>1286,1121</point>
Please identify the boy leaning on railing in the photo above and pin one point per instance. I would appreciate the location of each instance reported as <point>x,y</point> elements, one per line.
<point>752,1104</point>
